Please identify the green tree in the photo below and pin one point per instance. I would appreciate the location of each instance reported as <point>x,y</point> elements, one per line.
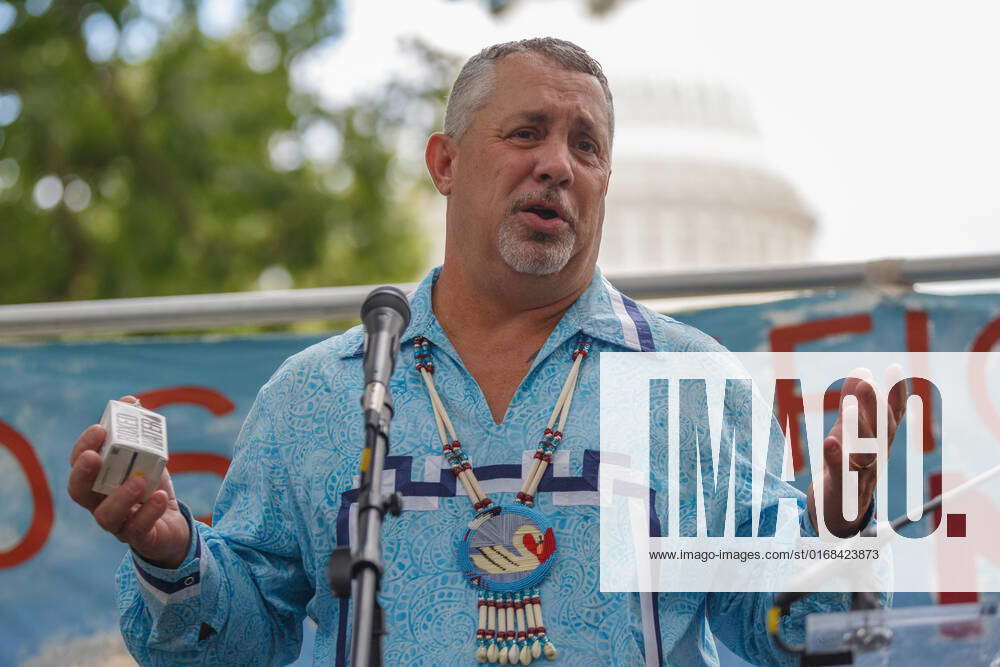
<point>140,156</point>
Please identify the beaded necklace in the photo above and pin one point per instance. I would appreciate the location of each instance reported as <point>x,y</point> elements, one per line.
<point>507,550</point>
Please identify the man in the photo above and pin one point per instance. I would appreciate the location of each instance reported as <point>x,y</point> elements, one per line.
<point>524,161</point>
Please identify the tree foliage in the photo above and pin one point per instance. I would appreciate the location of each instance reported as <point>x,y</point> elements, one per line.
<point>139,156</point>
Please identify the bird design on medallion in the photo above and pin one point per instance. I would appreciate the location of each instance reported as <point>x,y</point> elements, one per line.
<point>530,549</point>
<point>507,547</point>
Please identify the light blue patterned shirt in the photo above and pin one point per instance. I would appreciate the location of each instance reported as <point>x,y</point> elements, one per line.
<point>289,500</point>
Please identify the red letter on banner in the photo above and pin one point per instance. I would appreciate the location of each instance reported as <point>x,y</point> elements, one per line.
<point>786,339</point>
<point>41,519</point>
<point>918,339</point>
<point>984,342</point>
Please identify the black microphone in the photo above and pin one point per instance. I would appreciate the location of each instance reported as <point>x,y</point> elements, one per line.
<point>385,314</point>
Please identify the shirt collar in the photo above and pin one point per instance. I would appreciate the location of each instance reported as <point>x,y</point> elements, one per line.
<point>422,320</point>
<point>601,312</point>
<point>605,313</point>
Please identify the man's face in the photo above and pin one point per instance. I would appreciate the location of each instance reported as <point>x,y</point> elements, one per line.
<point>531,171</point>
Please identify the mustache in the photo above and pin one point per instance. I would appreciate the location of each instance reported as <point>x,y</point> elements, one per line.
<point>550,196</point>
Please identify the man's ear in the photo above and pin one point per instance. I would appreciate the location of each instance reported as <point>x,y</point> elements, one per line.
<point>440,157</point>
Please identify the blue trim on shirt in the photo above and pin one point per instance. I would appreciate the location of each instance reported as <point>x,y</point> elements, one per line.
<point>340,659</point>
<point>446,487</point>
<point>656,626</point>
<point>170,587</point>
<point>641,325</point>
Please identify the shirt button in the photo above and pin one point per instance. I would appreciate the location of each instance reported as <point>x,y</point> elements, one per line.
<point>189,581</point>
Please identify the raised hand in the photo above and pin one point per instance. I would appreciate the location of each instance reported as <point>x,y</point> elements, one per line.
<point>859,384</point>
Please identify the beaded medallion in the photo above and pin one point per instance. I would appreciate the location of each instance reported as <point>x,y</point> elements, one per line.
<point>506,550</point>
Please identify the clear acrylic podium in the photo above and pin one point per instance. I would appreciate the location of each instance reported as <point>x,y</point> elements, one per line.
<point>959,634</point>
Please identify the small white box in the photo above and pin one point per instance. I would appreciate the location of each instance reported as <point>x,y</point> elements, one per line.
<point>136,446</point>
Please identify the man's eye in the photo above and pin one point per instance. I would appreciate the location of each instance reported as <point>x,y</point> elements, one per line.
<point>587,146</point>
<point>525,134</point>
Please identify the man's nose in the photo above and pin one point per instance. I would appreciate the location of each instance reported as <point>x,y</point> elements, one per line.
<point>553,165</point>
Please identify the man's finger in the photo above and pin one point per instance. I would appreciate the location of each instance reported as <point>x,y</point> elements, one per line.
<point>832,458</point>
<point>855,428</point>
<point>856,377</point>
<point>893,375</point>
<point>167,485</point>
<point>115,510</point>
<point>896,399</point>
<point>860,383</point>
<point>81,480</point>
<point>142,521</point>
<point>857,417</point>
<point>90,439</point>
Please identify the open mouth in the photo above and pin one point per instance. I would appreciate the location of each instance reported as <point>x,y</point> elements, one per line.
<point>543,213</point>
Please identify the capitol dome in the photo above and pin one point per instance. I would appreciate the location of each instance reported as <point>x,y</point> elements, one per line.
<point>690,188</point>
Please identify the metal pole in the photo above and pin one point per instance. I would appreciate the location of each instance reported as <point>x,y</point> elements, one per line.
<point>203,311</point>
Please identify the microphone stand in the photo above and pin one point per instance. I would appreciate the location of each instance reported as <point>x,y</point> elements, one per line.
<point>359,574</point>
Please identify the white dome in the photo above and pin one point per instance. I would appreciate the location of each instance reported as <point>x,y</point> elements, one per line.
<point>689,187</point>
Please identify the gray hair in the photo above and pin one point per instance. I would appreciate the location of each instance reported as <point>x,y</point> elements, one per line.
<point>475,81</point>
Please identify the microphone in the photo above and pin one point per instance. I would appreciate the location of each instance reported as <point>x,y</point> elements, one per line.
<point>385,315</point>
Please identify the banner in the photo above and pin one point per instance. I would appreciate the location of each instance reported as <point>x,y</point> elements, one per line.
<point>57,567</point>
